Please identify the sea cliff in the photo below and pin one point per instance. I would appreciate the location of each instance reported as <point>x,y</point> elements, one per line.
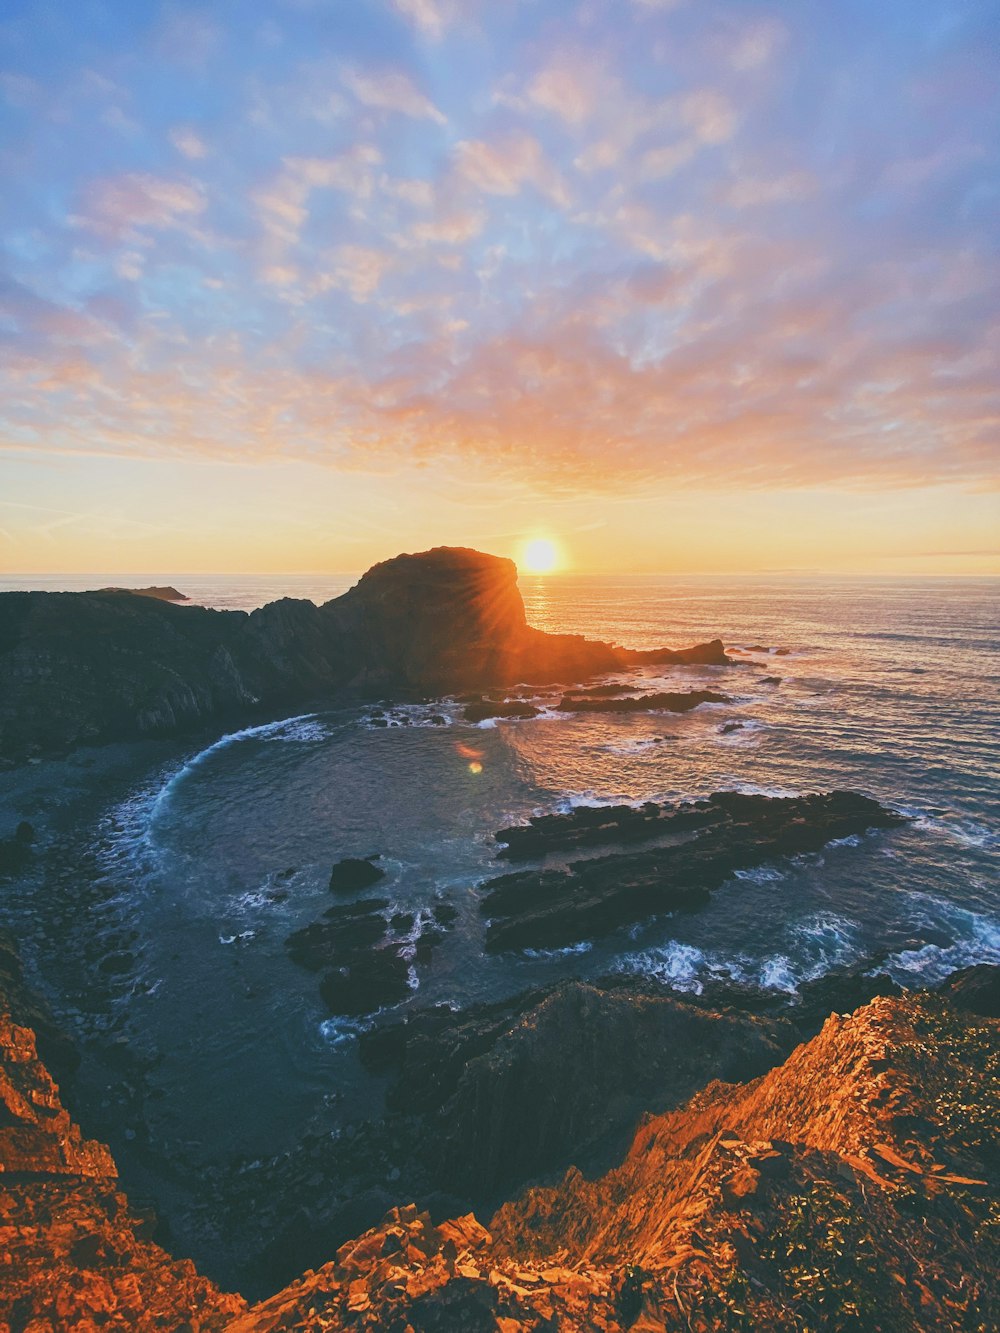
<point>81,668</point>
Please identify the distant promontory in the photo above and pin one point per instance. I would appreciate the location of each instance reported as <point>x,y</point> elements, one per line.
<point>90,667</point>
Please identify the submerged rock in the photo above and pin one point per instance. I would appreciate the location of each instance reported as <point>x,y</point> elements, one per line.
<point>730,831</point>
<point>15,851</point>
<point>355,873</point>
<point>667,702</point>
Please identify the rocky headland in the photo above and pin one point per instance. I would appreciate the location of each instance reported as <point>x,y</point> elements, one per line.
<point>89,667</point>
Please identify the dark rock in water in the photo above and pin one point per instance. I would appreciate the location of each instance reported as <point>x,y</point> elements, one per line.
<point>373,981</point>
<point>730,831</point>
<point>974,989</point>
<point>712,653</point>
<point>605,691</point>
<point>643,703</point>
<point>15,851</point>
<point>756,648</point>
<point>365,957</point>
<point>78,668</point>
<point>355,873</point>
<point>436,720</point>
<point>782,652</point>
<point>479,712</point>
<point>770,680</point>
<point>340,936</point>
<point>728,727</point>
<point>600,825</point>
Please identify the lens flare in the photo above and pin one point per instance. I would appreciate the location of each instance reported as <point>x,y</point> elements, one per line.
<point>475,766</point>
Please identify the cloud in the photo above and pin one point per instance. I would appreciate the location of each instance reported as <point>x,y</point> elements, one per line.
<point>391,90</point>
<point>756,43</point>
<point>568,86</point>
<point>282,205</point>
<point>188,142</point>
<point>504,166</point>
<point>117,206</point>
<point>428,16</point>
<point>709,114</point>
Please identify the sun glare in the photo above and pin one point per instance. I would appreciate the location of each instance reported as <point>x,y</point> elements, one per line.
<point>539,556</point>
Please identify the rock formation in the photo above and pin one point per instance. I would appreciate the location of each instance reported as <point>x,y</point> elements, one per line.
<point>162,594</point>
<point>86,667</point>
<point>72,1253</point>
<point>703,843</point>
<point>852,1187</point>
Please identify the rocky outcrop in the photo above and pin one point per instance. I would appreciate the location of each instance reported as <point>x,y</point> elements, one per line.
<point>162,594</point>
<point>85,667</point>
<point>366,954</point>
<point>514,1096</point>
<point>854,1187</point>
<point>355,873</point>
<point>72,1254</point>
<point>708,841</point>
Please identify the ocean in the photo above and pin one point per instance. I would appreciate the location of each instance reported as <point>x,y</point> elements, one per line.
<point>170,874</point>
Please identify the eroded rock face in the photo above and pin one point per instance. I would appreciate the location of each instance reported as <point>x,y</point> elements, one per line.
<point>709,841</point>
<point>852,1187</point>
<point>72,1255</point>
<point>85,667</point>
<point>515,1095</point>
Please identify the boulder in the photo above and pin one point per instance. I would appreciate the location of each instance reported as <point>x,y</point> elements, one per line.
<point>355,873</point>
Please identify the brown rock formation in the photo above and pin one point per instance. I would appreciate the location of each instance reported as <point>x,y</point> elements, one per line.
<point>852,1188</point>
<point>72,1255</point>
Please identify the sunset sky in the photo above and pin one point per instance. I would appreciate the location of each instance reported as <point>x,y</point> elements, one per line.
<point>680,284</point>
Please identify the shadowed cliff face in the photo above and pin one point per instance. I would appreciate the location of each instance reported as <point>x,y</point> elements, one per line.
<point>86,667</point>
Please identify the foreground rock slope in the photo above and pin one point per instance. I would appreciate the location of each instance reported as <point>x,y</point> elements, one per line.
<point>853,1187</point>
<point>84,667</point>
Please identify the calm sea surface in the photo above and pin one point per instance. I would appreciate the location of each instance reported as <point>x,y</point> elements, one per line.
<point>152,915</point>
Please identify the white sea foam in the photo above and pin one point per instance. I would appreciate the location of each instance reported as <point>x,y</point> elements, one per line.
<point>976,939</point>
<point>812,947</point>
<point>583,947</point>
<point>342,1031</point>
<point>760,875</point>
<point>965,832</point>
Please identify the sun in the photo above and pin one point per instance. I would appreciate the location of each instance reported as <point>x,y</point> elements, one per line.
<point>539,556</point>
